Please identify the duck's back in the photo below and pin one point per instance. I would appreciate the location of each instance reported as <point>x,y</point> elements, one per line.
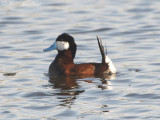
<point>77,69</point>
<point>91,68</point>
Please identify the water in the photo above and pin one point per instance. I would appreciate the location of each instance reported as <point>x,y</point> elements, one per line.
<point>131,31</point>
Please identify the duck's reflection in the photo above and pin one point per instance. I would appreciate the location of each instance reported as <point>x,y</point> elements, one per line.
<point>65,83</point>
<point>68,87</point>
<point>105,81</point>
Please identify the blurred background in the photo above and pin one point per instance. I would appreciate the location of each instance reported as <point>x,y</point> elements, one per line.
<point>129,30</point>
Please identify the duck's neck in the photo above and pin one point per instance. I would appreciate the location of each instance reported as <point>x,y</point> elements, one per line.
<point>64,57</point>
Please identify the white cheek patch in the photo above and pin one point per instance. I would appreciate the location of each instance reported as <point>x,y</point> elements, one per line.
<point>62,45</point>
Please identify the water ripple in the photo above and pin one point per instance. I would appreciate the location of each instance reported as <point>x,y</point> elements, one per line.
<point>36,95</point>
<point>143,96</point>
<point>91,31</point>
<point>130,30</point>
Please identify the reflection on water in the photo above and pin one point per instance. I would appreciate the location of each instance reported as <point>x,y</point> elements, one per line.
<point>64,83</point>
<point>68,88</point>
<point>130,30</point>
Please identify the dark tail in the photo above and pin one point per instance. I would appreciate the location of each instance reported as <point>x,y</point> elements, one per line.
<point>101,49</point>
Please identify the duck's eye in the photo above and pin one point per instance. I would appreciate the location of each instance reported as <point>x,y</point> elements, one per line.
<point>62,45</point>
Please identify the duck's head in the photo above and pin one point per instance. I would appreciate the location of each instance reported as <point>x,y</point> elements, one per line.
<point>63,43</point>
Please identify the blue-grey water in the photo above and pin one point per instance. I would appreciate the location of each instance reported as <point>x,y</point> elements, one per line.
<point>129,28</point>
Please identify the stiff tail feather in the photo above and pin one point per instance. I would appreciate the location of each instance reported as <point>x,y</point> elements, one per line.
<point>105,58</point>
<point>101,49</point>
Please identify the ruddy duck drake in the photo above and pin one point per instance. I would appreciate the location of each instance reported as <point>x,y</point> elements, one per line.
<point>64,65</point>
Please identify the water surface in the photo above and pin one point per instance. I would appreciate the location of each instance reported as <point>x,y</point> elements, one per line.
<point>130,30</point>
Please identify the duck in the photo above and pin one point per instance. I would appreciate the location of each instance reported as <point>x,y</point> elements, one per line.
<point>63,64</point>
